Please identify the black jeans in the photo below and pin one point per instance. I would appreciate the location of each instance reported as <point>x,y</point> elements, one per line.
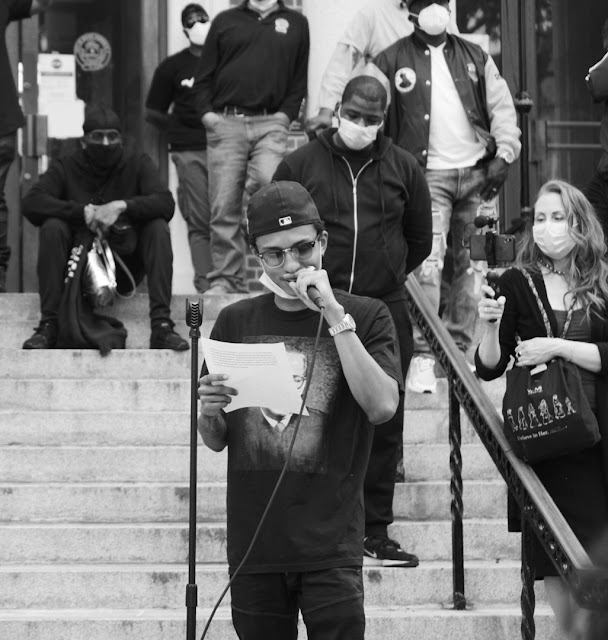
<point>7,155</point>
<point>265,605</point>
<point>152,256</point>
<point>387,445</point>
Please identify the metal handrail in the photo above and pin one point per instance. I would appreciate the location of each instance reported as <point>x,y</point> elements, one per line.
<point>540,514</point>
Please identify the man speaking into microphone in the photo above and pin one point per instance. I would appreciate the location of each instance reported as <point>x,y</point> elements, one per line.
<point>308,557</point>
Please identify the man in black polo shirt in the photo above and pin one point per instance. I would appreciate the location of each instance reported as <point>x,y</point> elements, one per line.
<point>249,87</point>
<point>11,117</point>
<point>172,84</point>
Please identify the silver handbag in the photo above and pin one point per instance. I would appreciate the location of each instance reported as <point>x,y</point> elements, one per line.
<point>99,278</point>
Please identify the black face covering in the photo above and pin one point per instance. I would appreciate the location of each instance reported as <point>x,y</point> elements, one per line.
<point>103,156</point>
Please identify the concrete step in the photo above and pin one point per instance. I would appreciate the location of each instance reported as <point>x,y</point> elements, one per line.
<point>168,502</point>
<point>171,463</point>
<point>77,363</point>
<point>428,462</point>
<point>167,543</point>
<point>96,428</point>
<point>136,586</point>
<point>76,394</point>
<point>422,623</point>
<point>159,427</point>
<point>85,393</point>
<point>19,315</point>
<point>108,464</point>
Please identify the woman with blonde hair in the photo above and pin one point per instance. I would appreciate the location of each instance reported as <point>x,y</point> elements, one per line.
<point>564,252</point>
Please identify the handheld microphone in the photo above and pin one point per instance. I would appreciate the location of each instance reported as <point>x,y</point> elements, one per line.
<point>315,296</point>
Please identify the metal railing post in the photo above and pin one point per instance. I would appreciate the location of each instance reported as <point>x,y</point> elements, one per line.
<point>528,571</point>
<point>457,509</point>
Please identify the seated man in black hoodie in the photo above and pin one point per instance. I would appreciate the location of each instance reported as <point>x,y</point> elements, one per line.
<point>101,186</point>
<point>375,202</point>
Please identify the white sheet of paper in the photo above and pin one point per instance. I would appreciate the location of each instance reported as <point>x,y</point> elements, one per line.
<point>259,372</point>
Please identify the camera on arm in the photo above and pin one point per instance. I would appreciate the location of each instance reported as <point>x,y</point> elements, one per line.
<point>495,249</point>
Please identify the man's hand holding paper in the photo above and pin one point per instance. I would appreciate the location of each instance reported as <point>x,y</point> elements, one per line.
<point>247,375</point>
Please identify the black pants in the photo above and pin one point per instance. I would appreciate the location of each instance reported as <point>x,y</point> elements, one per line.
<point>152,256</point>
<point>387,446</point>
<point>597,194</point>
<point>7,155</point>
<point>265,605</point>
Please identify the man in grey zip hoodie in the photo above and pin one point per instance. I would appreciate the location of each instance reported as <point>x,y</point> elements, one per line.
<point>374,200</point>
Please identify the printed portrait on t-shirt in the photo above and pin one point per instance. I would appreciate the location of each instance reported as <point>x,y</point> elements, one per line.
<point>264,436</point>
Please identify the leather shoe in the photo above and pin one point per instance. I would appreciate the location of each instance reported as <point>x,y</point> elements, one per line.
<point>45,336</point>
<point>164,337</point>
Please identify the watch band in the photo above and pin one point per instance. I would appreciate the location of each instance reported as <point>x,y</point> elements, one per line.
<point>347,324</point>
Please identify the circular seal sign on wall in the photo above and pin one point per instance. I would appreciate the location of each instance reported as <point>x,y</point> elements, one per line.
<point>93,52</point>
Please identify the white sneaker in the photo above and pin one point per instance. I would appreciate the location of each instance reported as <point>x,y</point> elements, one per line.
<point>422,378</point>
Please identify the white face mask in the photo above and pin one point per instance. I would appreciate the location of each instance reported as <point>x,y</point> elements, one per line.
<point>197,34</point>
<point>273,287</point>
<point>434,19</point>
<point>355,136</point>
<point>553,238</point>
<point>262,5</point>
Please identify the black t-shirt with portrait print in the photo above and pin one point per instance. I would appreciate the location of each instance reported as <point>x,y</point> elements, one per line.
<point>172,84</point>
<point>11,116</point>
<point>317,520</point>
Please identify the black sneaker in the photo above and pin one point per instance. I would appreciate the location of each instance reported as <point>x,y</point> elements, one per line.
<point>45,336</point>
<point>381,551</point>
<point>164,337</point>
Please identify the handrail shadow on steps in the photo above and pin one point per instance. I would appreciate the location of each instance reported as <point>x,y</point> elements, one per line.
<point>540,515</point>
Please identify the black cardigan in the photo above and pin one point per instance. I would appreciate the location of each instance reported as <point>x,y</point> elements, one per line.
<point>523,317</point>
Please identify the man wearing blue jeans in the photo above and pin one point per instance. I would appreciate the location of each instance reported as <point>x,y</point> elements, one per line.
<point>11,117</point>
<point>250,83</point>
<point>453,111</point>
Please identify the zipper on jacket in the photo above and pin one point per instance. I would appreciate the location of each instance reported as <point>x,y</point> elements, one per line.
<point>355,217</point>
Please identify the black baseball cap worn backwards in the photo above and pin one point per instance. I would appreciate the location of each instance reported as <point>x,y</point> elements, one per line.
<point>279,206</point>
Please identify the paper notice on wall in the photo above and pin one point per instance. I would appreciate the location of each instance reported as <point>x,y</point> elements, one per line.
<point>57,95</point>
<point>259,372</point>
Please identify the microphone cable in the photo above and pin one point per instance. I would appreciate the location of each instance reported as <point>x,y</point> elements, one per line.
<point>273,495</point>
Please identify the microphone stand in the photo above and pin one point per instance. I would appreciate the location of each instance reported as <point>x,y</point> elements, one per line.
<point>194,319</point>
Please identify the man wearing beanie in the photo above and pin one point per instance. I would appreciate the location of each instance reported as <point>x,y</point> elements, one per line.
<point>310,553</point>
<point>103,188</point>
<point>172,85</point>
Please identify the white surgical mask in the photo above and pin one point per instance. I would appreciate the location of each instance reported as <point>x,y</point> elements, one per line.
<point>273,287</point>
<point>434,19</point>
<point>355,136</point>
<point>198,33</point>
<point>262,5</point>
<point>553,238</point>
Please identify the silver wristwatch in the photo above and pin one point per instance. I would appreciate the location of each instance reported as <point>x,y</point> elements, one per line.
<point>348,324</point>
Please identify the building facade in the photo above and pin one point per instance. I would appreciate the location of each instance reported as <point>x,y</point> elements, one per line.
<point>107,50</point>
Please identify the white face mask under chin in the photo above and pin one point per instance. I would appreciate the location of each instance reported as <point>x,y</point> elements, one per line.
<point>198,33</point>
<point>434,19</point>
<point>356,137</point>
<point>273,287</point>
<point>553,239</point>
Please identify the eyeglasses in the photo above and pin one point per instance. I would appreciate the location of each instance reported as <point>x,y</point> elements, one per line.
<point>276,257</point>
<point>97,136</point>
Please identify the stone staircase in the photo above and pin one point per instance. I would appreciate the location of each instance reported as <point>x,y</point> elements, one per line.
<point>94,503</point>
